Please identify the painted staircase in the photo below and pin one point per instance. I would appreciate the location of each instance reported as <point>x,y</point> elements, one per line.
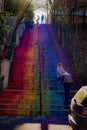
<point>33,88</point>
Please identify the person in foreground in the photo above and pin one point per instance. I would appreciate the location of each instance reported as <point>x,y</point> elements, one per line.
<point>67,81</point>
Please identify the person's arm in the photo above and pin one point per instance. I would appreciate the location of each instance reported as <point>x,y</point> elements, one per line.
<point>58,75</point>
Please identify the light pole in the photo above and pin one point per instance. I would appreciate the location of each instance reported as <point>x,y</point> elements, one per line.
<point>47,10</point>
<point>5,2</point>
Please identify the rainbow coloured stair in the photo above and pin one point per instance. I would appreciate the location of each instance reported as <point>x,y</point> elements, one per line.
<point>33,88</point>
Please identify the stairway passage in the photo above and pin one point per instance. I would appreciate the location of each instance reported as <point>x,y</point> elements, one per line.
<point>34,88</point>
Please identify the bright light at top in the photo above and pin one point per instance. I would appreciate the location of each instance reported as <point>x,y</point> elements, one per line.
<point>39,9</point>
<point>39,13</point>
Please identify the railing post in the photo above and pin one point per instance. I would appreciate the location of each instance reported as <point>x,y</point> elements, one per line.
<point>40,87</point>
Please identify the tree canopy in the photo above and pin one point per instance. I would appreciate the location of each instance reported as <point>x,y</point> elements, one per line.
<point>17,7</point>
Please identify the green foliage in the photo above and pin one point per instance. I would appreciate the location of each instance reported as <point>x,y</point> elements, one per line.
<point>3,26</point>
<point>17,6</point>
<point>2,19</point>
<point>12,6</point>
